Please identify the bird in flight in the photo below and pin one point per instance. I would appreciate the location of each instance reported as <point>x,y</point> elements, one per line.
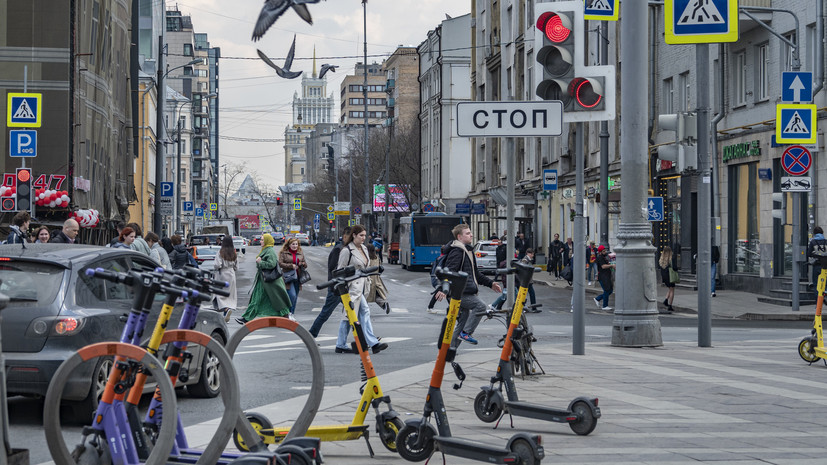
<point>288,62</point>
<point>273,9</point>
<point>325,68</point>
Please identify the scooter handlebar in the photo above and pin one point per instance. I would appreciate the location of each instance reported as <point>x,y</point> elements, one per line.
<point>349,274</point>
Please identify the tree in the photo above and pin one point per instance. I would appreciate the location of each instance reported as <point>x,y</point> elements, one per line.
<point>233,175</point>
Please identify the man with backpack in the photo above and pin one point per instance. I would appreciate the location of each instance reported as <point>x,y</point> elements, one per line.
<point>332,300</point>
<point>459,256</point>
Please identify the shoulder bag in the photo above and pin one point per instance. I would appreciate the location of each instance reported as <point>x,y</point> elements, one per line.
<point>304,276</point>
<point>674,277</point>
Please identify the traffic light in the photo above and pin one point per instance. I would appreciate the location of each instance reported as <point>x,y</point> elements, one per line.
<point>683,152</point>
<point>24,189</point>
<point>278,200</point>
<point>587,92</point>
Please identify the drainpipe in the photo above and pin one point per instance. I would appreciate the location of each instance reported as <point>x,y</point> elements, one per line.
<point>716,198</point>
<point>819,84</point>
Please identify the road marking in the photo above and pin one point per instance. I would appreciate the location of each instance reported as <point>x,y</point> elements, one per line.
<point>294,345</point>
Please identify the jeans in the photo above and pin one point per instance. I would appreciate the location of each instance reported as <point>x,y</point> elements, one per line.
<point>293,292</point>
<point>592,266</point>
<point>556,266</point>
<point>498,304</point>
<point>714,271</point>
<point>363,315</point>
<point>531,296</point>
<point>605,296</point>
<point>467,320</point>
<point>330,304</point>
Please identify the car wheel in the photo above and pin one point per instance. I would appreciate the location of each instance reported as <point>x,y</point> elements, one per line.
<point>209,384</point>
<point>82,411</point>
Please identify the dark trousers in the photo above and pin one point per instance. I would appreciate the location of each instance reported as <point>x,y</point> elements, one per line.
<point>556,266</point>
<point>330,303</point>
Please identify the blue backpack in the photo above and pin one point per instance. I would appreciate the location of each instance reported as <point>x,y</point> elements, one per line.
<point>439,262</point>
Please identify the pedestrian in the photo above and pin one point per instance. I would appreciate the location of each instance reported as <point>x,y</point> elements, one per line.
<point>125,239</point>
<point>166,243</point>
<point>527,260</point>
<point>225,266</point>
<point>156,252</point>
<point>355,254</point>
<point>604,277</point>
<point>816,252</point>
<point>291,261</point>
<point>556,252</point>
<point>42,235</point>
<point>179,257</point>
<point>69,233</point>
<point>378,291</point>
<point>460,257</point>
<point>568,251</point>
<point>119,227</point>
<point>666,272</point>
<point>332,300</point>
<point>716,257</point>
<point>503,297</point>
<point>504,237</point>
<point>520,245</point>
<point>19,233</point>
<point>591,262</point>
<point>267,299</point>
<point>139,244</point>
<point>377,246</point>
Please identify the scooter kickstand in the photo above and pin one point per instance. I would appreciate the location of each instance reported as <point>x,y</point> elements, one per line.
<point>500,419</point>
<point>370,449</point>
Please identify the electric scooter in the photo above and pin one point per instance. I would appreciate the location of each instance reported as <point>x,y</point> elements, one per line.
<point>811,348</point>
<point>388,423</point>
<point>582,412</point>
<point>419,439</point>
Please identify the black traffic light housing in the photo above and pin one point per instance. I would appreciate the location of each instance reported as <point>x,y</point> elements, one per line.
<point>24,189</point>
<point>278,200</point>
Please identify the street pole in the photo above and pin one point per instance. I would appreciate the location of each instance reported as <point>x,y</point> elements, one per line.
<point>365,94</point>
<point>511,186</point>
<point>704,263</point>
<point>388,197</point>
<point>604,149</point>
<point>178,185</point>
<point>636,321</point>
<point>159,137</point>
<point>578,324</point>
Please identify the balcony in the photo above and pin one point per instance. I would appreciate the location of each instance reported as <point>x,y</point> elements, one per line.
<point>389,86</point>
<point>391,102</point>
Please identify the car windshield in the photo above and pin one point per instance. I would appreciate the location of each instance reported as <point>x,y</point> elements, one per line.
<point>488,247</point>
<point>203,252</point>
<point>37,283</point>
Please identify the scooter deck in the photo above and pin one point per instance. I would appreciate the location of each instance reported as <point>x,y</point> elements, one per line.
<point>323,432</point>
<point>539,412</point>
<point>474,450</point>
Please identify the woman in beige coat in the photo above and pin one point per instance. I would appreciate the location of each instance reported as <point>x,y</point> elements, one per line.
<point>378,292</point>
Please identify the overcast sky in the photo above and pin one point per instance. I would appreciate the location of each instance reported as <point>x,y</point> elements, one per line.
<point>255,103</point>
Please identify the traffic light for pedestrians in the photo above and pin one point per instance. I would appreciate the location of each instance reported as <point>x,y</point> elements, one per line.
<point>587,92</point>
<point>24,189</point>
<point>683,152</point>
<point>278,200</point>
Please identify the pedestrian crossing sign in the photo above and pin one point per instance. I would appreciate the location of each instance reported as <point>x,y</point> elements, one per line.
<point>602,10</point>
<point>700,21</point>
<point>795,123</point>
<point>24,110</point>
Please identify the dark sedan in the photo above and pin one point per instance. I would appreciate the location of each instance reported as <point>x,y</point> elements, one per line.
<point>55,309</point>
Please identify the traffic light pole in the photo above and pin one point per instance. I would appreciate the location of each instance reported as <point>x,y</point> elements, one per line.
<point>578,324</point>
<point>704,263</point>
<point>636,321</point>
<point>604,148</point>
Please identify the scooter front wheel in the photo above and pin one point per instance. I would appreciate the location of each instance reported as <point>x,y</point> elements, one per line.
<point>488,414</point>
<point>806,350</point>
<point>413,448</point>
<point>392,428</point>
<point>586,422</point>
<point>524,451</point>
<point>259,422</point>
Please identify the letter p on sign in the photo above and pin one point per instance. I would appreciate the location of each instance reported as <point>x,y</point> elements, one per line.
<point>23,143</point>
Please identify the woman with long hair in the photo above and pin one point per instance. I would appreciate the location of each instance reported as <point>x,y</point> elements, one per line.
<point>42,235</point>
<point>267,299</point>
<point>665,265</point>
<point>126,238</point>
<point>226,264</point>
<point>354,253</point>
<point>291,261</point>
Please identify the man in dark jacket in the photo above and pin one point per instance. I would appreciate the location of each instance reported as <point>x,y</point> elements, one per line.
<point>179,257</point>
<point>555,249</point>
<point>116,239</point>
<point>69,233</point>
<point>460,257</point>
<point>19,228</point>
<point>332,300</point>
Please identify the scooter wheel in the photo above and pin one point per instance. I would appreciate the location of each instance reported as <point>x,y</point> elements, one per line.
<point>259,422</point>
<point>806,349</point>
<point>413,448</point>
<point>586,422</point>
<point>524,451</point>
<point>488,414</point>
<point>392,427</point>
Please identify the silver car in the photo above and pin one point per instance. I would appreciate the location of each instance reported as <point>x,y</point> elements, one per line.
<point>486,253</point>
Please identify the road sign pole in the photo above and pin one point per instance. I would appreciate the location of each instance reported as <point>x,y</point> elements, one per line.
<point>704,263</point>
<point>797,250</point>
<point>578,325</point>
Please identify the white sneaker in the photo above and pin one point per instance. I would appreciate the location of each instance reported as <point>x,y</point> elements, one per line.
<point>590,283</point>
<point>607,308</point>
<point>291,317</point>
<point>434,311</point>
<point>597,302</point>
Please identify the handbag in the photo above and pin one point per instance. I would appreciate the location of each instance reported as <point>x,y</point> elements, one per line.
<point>270,275</point>
<point>674,277</point>
<point>290,276</point>
<point>304,276</point>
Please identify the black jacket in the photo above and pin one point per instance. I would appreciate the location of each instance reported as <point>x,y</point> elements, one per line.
<point>61,238</point>
<point>458,260</point>
<point>333,260</point>
<point>178,257</point>
<point>16,236</point>
<point>556,248</point>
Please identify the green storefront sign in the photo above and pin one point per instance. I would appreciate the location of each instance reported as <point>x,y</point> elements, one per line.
<point>742,150</point>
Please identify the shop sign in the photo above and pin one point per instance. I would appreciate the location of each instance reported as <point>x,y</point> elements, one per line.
<point>742,150</point>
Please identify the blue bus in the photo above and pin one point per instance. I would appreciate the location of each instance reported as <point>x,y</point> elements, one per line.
<point>421,236</point>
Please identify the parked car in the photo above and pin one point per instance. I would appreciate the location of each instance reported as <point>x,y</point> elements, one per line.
<point>486,253</point>
<point>205,256</point>
<point>206,239</point>
<point>240,244</point>
<point>278,237</point>
<point>256,240</point>
<point>303,238</point>
<point>55,309</point>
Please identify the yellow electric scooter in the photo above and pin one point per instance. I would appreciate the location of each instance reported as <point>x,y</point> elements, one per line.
<point>388,423</point>
<point>811,348</point>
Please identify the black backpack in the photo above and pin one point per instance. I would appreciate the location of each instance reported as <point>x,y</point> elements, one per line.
<point>439,262</point>
<point>501,251</point>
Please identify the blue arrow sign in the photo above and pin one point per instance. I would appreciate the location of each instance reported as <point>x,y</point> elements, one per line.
<point>654,209</point>
<point>796,87</point>
<point>23,143</point>
<point>166,189</point>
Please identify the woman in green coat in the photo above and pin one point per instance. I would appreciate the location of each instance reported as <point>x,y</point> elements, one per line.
<point>268,299</point>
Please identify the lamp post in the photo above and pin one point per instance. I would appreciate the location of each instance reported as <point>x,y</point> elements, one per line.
<point>365,95</point>
<point>226,190</point>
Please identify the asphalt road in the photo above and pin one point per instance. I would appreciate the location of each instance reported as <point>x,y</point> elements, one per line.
<point>273,365</point>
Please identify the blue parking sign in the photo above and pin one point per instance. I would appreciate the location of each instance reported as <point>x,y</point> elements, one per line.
<point>23,143</point>
<point>188,206</point>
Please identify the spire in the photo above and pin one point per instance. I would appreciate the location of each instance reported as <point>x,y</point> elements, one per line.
<point>314,62</point>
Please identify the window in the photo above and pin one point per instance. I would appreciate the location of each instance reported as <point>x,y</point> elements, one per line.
<point>740,82</point>
<point>788,51</point>
<point>744,203</point>
<point>93,32</point>
<point>187,50</point>
<point>668,96</point>
<point>763,67</point>
<point>187,70</point>
<point>684,92</point>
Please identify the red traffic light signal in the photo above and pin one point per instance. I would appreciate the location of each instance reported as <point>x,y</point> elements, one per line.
<point>24,189</point>
<point>278,200</point>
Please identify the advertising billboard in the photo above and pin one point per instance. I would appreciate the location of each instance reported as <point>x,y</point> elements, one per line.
<point>249,222</point>
<point>398,200</point>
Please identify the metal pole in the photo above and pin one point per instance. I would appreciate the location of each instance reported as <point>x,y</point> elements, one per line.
<point>704,263</point>
<point>388,197</point>
<point>636,321</point>
<point>604,149</point>
<point>336,197</point>
<point>511,181</point>
<point>365,94</point>
<point>178,185</point>
<point>578,327</point>
<point>159,136</point>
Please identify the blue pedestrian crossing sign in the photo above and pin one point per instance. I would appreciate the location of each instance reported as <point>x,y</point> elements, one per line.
<point>795,123</point>
<point>796,86</point>
<point>654,209</point>
<point>601,10</point>
<point>297,204</point>
<point>700,21</point>
<point>331,216</point>
<point>24,110</point>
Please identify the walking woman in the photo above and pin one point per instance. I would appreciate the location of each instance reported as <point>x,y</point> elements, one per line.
<point>268,299</point>
<point>126,238</point>
<point>665,264</point>
<point>354,253</point>
<point>226,264</point>
<point>378,292</point>
<point>291,261</point>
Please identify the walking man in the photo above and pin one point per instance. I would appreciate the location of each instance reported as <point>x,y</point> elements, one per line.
<point>19,228</point>
<point>816,251</point>
<point>555,249</point>
<point>69,233</point>
<point>332,300</point>
<point>604,277</point>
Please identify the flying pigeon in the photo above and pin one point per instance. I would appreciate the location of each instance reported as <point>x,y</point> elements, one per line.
<point>325,68</point>
<point>273,9</point>
<point>283,72</point>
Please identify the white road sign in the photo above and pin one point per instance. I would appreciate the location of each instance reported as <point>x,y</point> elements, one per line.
<point>510,119</point>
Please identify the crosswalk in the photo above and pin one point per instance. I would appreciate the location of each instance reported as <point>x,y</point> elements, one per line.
<point>255,344</point>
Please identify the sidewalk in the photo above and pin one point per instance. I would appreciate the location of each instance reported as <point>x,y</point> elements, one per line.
<point>727,303</point>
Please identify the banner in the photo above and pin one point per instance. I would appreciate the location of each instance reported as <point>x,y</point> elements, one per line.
<point>398,201</point>
<point>248,222</point>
